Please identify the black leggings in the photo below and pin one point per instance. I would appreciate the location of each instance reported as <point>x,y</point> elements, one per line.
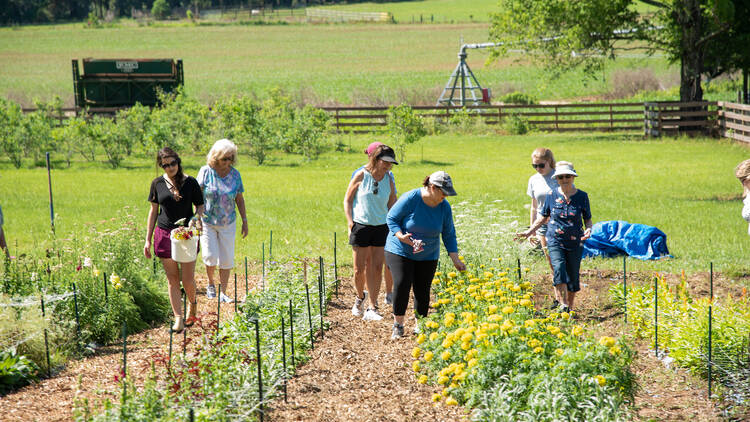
<point>408,273</point>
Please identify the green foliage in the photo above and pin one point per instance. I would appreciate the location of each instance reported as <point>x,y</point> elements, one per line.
<point>515,124</point>
<point>15,371</point>
<point>181,123</point>
<point>239,119</point>
<point>160,9</point>
<point>404,127</point>
<point>10,120</point>
<point>518,98</point>
<point>463,121</point>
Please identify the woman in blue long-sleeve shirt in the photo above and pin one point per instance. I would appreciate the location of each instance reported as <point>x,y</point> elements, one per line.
<point>416,223</point>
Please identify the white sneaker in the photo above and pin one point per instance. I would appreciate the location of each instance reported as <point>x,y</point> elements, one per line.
<point>358,305</point>
<point>372,315</point>
<point>226,299</point>
<point>211,292</point>
<point>389,298</point>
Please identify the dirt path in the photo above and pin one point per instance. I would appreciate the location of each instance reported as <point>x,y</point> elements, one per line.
<point>357,373</point>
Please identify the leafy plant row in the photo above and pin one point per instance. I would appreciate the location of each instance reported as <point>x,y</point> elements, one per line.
<point>89,295</point>
<point>683,328</point>
<point>180,122</point>
<point>219,380</point>
<point>488,348</point>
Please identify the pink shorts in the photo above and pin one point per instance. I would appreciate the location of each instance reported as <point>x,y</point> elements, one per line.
<point>162,244</point>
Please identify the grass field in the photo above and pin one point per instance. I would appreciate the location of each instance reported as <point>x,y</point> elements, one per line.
<point>665,183</point>
<point>319,64</point>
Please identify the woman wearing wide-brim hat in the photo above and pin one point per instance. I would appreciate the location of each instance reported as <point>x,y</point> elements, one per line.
<point>566,211</point>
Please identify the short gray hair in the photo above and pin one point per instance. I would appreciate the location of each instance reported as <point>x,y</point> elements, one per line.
<point>221,148</point>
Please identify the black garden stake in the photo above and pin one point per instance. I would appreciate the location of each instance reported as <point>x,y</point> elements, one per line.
<point>46,342</point>
<point>291,330</point>
<point>283,356</point>
<point>309,316</point>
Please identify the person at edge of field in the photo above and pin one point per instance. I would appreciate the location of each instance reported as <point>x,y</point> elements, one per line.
<point>386,272</point>
<point>222,188</point>
<point>3,243</point>
<point>173,196</point>
<point>540,184</point>
<point>369,196</point>
<point>564,209</point>
<point>416,222</point>
<point>742,172</point>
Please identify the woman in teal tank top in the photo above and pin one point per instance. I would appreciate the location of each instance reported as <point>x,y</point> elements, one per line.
<point>370,195</point>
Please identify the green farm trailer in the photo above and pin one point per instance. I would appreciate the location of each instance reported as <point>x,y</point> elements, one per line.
<point>117,83</point>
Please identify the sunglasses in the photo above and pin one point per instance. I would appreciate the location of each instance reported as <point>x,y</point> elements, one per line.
<point>539,166</point>
<point>227,159</point>
<point>376,188</point>
<point>564,176</point>
<point>169,164</point>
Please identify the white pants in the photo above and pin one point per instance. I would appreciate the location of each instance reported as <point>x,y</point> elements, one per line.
<point>217,245</point>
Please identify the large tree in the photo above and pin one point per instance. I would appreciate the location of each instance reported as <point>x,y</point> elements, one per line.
<point>564,34</point>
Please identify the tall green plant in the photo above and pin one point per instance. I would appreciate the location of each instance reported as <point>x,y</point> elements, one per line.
<point>10,119</point>
<point>239,119</point>
<point>404,127</point>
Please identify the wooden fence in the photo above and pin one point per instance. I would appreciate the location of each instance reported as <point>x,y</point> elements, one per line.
<point>549,117</point>
<point>734,121</point>
<point>345,16</point>
<point>676,118</point>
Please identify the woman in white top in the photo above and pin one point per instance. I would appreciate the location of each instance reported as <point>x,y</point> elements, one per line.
<point>743,174</point>
<point>540,184</point>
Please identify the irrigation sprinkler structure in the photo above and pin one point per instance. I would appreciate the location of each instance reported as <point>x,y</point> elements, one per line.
<point>463,87</point>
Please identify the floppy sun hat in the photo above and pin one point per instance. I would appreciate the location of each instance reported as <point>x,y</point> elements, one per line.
<point>565,168</point>
<point>442,180</point>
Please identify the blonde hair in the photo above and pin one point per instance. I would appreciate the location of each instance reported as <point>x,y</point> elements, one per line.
<point>221,148</point>
<point>544,154</point>
<point>742,172</point>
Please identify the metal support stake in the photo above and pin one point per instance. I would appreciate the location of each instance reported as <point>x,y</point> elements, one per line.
<point>656,316</point>
<point>260,373</point>
<point>291,330</point>
<point>235,292</point>
<point>78,324</point>
<point>309,316</point>
<point>283,356</point>
<point>625,287</point>
<point>710,361</point>
<point>46,342</point>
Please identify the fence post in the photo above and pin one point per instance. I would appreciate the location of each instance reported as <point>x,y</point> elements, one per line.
<point>309,316</point>
<point>611,118</point>
<point>46,342</point>
<point>557,123</point>
<point>656,316</point>
<point>291,330</point>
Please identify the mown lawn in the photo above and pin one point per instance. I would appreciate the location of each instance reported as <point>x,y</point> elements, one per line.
<point>319,64</point>
<point>686,187</point>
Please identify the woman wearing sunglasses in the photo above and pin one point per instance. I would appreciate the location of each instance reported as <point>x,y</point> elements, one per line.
<point>173,196</point>
<point>370,195</point>
<point>540,184</point>
<point>222,188</point>
<point>565,211</point>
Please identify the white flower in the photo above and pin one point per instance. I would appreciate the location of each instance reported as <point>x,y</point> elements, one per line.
<point>34,276</point>
<point>87,262</point>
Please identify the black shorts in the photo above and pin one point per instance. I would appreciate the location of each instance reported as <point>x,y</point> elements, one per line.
<point>364,236</point>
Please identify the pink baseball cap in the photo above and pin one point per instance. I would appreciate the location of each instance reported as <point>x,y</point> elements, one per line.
<point>371,148</point>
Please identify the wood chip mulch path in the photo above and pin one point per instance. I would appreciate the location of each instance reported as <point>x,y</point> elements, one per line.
<point>357,373</point>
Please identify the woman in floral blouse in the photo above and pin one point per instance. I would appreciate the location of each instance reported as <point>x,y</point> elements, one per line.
<point>222,189</point>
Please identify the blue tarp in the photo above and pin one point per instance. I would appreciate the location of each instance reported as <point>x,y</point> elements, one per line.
<point>612,238</point>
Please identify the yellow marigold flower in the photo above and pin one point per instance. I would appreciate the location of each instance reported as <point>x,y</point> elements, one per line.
<point>461,258</point>
<point>433,336</point>
<point>422,379</point>
<point>553,315</point>
<point>438,273</point>
<point>538,349</point>
<point>559,352</point>
<point>466,337</point>
<point>466,345</point>
<point>428,356</point>
<point>421,338</point>
<point>452,274</point>
<point>415,366</point>
<point>460,377</point>
<point>436,397</point>
<point>515,288</point>
<point>577,331</point>
<point>445,355</point>
<point>529,323</point>
<point>560,335</point>
<point>442,380</point>
<point>489,295</point>
<point>615,350</point>
<point>492,309</point>
<point>553,330</point>
<point>565,315</point>
<point>415,352</point>
<point>600,380</point>
<point>473,362</point>
<point>607,341</point>
<point>524,302</point>
<point>508,310</point>
<point>445,392</point>
<point>488,274</point>
<point>447,344</point>
<point>433,324</point>
<point>507,325</point>
<point>494,318</point>
<point>450,401</point>
<point>533,343</point>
